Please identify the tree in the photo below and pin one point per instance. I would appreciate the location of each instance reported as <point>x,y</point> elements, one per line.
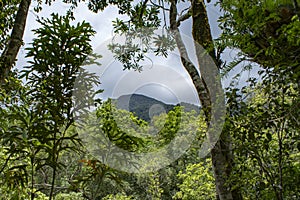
<point>40,116</point>
<point>51,78</point>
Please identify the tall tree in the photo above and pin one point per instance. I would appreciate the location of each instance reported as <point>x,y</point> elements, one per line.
<point>207,85</point>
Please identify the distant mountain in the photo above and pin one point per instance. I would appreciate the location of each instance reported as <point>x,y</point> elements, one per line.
<point>145,107</point>
<point>188,107</point>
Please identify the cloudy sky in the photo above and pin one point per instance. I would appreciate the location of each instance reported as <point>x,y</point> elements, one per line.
<point>161,78</point>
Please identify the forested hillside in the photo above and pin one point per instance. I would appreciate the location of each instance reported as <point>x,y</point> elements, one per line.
<point>145,107</point>
<point>61,140</point>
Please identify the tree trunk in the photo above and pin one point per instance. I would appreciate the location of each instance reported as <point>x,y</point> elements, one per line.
<point>221,153</point>
<point>10,53</point>
<point>208,87</point>
<point>192,71</point>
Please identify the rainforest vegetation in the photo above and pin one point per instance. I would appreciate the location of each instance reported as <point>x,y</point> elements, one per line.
<point>48,144</point>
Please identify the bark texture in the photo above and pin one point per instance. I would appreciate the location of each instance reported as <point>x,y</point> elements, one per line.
<point>208,86</point>
<point>221,154</point>
<point>10,53</point>
<point>198,81</point>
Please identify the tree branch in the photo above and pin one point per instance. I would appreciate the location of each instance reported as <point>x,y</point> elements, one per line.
<point>184,17</point>
<point>159,6</point>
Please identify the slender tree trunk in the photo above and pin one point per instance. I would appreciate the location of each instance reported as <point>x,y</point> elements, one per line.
<point>10,53</point>
<point>221,153</point>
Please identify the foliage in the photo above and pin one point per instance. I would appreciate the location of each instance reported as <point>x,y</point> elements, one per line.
<point>117,197</point>
<point>265,129</point>
<point>266,32</point>
<point>163,184</point>
<point>93,5</point>
<point>21,151</point>
<point>41,154</point>
<point>197,182</point>
<point>264,116</point>
<point>39,115</point>
<point>69,196</point>
<point>151,136</point>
